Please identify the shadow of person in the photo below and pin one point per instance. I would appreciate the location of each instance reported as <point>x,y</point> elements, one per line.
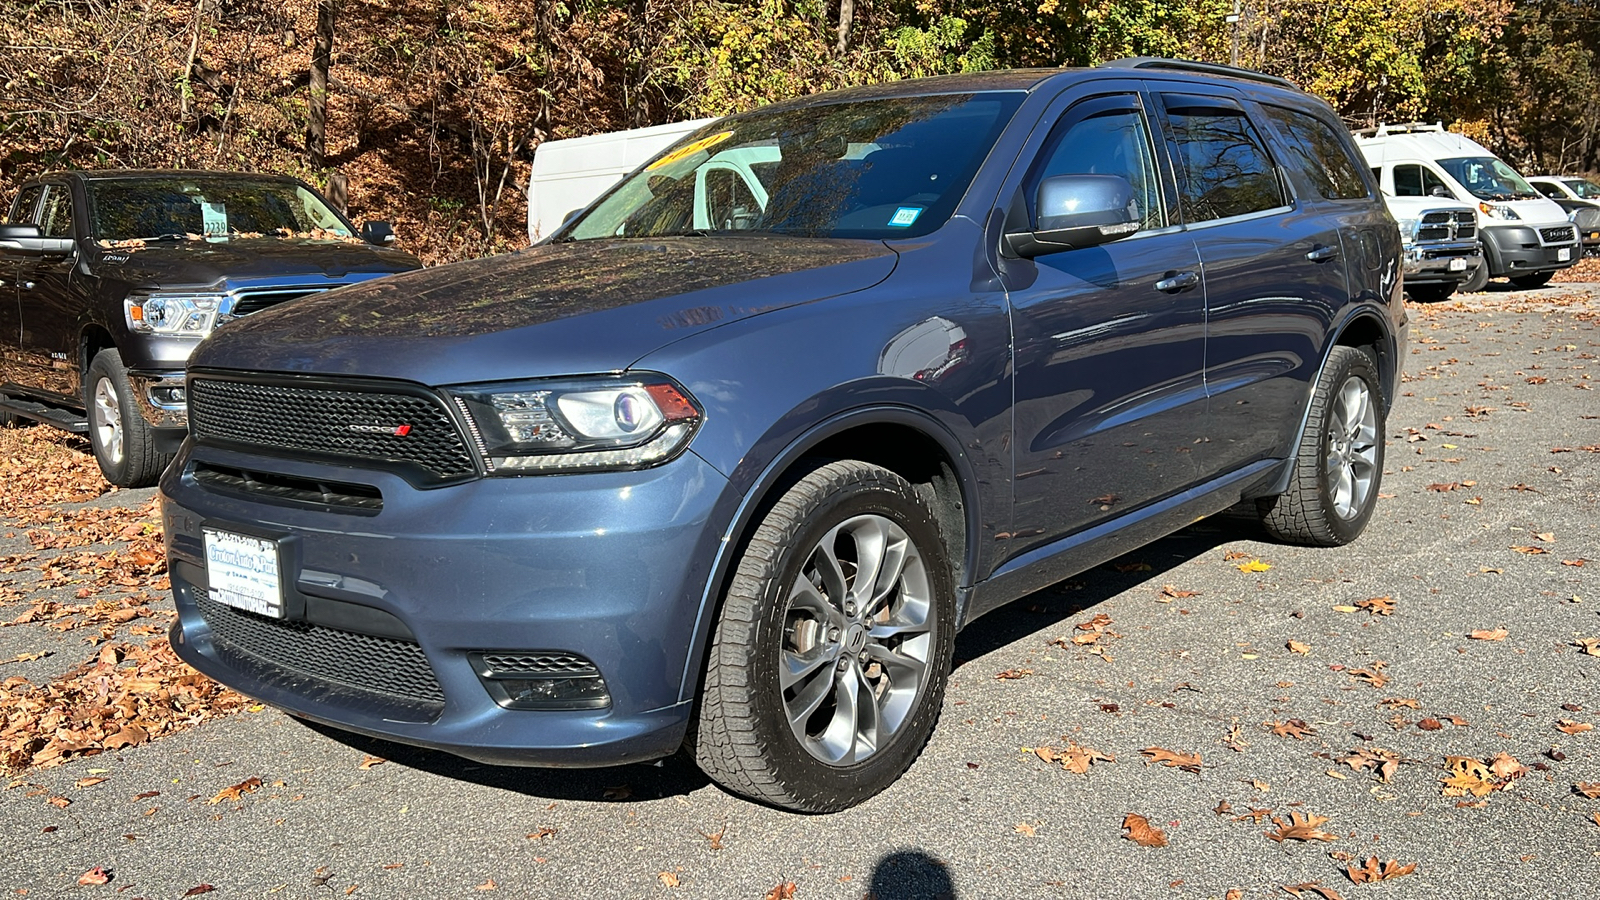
<point>910,875</point>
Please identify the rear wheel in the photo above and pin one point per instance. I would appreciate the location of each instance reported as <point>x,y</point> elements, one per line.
<point>123,442</point>
<point>1533,280</point>
<point>1339,464</point>
<point>1430,293</point>
<point>1477,281</point>
<point>827,669</point>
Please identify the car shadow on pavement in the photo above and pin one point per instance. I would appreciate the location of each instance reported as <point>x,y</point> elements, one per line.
<point>677,775</point>
<point>910,875</point>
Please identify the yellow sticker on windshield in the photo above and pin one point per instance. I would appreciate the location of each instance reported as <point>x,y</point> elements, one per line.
<point>689,149</point>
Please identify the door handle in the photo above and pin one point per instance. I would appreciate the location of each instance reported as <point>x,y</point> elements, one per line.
<point>27,285</point>
<point>1321,253</point>
<point>1177,282</point>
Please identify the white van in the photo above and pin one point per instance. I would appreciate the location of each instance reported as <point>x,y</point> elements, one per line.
<point>1525,236</point>
<point>569,174</point>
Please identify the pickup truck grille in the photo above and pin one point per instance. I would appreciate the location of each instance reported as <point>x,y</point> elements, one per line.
<point>397,427</point>
<point>1460,225</point>
<point>249,300</point>
<point>1558,234</point>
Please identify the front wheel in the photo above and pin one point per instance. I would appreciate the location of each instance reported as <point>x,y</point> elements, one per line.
<point>1477,281</point>
<point>124,443</point>
<point>827,670</point>
<point>1339,463</point>
<point>1532,280</point>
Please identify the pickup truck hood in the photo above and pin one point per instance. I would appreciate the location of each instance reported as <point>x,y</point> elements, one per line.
<point>556,309</point>
<point>220,264</point>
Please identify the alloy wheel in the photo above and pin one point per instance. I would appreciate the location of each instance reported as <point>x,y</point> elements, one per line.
<point>106,420</point>
<point>1352,455</point>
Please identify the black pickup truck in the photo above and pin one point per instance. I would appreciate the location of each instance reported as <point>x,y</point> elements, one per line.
<point>109,279</point>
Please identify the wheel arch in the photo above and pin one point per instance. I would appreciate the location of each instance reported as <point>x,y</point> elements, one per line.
<point>910,443</point>
<point>91,341</point>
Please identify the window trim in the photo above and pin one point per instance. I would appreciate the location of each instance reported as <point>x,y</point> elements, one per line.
<point>1130,100</point>
<point>1230,102</point>
<point>1352,154</point>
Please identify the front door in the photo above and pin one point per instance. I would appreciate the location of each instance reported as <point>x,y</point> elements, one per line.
<point>12,368</point>
<point>50,318</point>
<point>1109,342</point>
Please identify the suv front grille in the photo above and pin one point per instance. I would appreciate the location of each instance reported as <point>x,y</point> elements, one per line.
<point>1557,234</point>
<point>362,424</point>
<point>389,667</point>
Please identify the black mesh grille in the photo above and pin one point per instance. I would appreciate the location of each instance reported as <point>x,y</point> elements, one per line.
<point>247,301</point>
<point>1436,218</point>
<point>538,664</point>
<point>1556,234</point>
<point>379,665</point>
<point>363,425</point>
<point>1433,233</point>
<point>1466,225</point>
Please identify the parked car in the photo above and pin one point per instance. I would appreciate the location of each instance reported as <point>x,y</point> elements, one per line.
<point>1440,240</point>
<point>109,279</point>
<point>650,485</point>
<point>1525,237</point>
<point>1580,197</point>
<point>570,173</point>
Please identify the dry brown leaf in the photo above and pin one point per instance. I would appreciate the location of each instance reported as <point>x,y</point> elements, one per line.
<point>248,786</point>
<point>1567,726</point>
<point>1233,894</point>
<point>1498,634</point>
<point>1590,646</point>
<point>1013,674</point>
<point>1312,887</point>
<point>1139,830</point>
<point>1468,775</point>
<point>1298,647</point>
<point>1172,593</point>
<point>1506,767</point>
<point>668,879</point>
<point>488,885</point>
<point>1531,551</point>
<point>1254,815</point>
<point>1370,676</point>
<point>96,875</point>
<point>1300,827</point>
<point>1590,789</point>
<point>1023,828</point>
<point>1378,606</point>
<point>1382,762</point>
<point>784,891</point>
<point>88,782</point>
<point>1398,702</point>
<point>1188,762</point>
<point>1293,728</point>
<point>1375,871</point>
<point>199,889</point>
<point>371,761</point>
<point>1430,724</point>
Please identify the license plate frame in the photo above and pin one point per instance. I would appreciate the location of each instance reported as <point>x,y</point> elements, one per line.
<point>245,571</point>
<point>1458,265</point>
<point>1564,254</point>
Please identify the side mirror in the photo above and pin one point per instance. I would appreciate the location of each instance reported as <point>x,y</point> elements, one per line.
<point>571,214</point>
<point>1440,190</point>
<point>380,233</point>
<point>1077,211</point>
<point>24,240</point>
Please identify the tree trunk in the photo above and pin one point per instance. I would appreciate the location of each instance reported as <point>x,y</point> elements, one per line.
<point>321,62</point>
<point>847,18</point>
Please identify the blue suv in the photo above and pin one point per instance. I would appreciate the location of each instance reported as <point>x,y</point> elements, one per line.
<point>726,463</point>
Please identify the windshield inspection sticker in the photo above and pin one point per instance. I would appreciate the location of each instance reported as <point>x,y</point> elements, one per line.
<point>213,218</point>
<point>905,216</point>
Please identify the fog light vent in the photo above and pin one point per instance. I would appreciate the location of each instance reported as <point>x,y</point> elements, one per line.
<point>541,679</point>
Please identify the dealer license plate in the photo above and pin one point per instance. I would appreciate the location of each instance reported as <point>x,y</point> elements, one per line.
<point>1564,254</point>
<point>243,572</point>
<point>1458,265</point>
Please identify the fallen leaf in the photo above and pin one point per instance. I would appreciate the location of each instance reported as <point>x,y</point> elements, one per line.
<point>1567,726</point>
<point>1170,593</point>
<point>1467,776</point>
<point>199,889</point>
<point>87,782</point>
<point>668,879</point>
<point>1590,789</point>
<point>1443,487</point>
<point>1223,807</point>
<point>1370,676</point>
<point>1577,563</point>
<point>1430,725</point>
<point>715,837</point>
<point>1139,830</point>
<point>60,802</point>
<point>783,891</point>
<point>1294,728</point>
<point>1013,674</point>
<point>545,832</point>
<point>1382,762</point>
<point>371,761</point>
<point>1188,762</point>
<point>1024,828</point>
<point>1590,646</point>
<point>1254,565</point>
<point>248,786</point>
<point>1374,871</point>
<point>1531,551</point>
<point>1254,815</point>
<point>96,875</point>
<point>1312,887</point>
<point>1378,606</point>
<point>1498,634</point>
<point>1074,757</point>
<point>1298,647</point>
<point>1299,827</point>
<point>1506,767</point>
<point>487,885</point>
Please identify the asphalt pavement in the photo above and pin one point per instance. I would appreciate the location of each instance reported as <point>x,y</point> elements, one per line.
<point>1493,445</point>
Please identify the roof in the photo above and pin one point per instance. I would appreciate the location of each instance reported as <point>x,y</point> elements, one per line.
<point>108,174</point>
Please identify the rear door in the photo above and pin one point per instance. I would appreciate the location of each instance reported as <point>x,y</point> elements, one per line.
<point>12,368</point>
<point>1274,275</point>
<point>50,317</point>
<point>1109,340</point>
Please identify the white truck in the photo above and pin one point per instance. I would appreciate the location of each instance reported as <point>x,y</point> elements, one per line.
<point>1525,237</point>
<point>569,174</point>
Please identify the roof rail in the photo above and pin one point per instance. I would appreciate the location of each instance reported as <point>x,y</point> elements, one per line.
<point>1402,128</point>
<point>1189,65</point>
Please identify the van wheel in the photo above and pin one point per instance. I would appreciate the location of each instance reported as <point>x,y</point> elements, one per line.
<point>122,440</point>
<point>1339,464</point>
<point>1430,293</point>
<point>1533,280</point>
<point>827,668</point>
<point>1477,281</point>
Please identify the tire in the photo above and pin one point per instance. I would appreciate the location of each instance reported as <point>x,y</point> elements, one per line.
<point>1338,466</point>
<point>1430,293</point>
<point>1477,281</point>
<point>753,734</point>
<point>1532,280</point>
<point>122,440</point>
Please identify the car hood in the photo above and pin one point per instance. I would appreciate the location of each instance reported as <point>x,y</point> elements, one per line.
<point>219,264</point>
<point>555,309</point>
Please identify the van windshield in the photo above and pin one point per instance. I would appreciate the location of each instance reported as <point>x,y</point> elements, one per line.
<point>1587,190</point>
<point>887,168</point>
<point>1488,178</point>
<point>208,206</point>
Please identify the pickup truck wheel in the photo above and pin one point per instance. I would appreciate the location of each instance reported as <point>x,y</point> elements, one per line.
<point>827,668</point>
<point>122,440</point>
<point>1430,293</point>
<point>1339,464</point>
<point>1477,281</point>
<point>1532,280</point>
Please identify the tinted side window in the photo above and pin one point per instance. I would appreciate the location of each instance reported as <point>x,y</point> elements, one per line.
<point>1105,136</point>
<point>730,205</point>
<point>1223,167</point>
<point>22,208</point>
<point>55,219</point>
<point>1315,149</point>
<point>1408,181</point>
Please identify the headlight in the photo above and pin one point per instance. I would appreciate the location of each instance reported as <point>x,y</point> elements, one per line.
<point>583,424</point>
<point>172,313</point>
<point>1495,211</point>
<point>1408,228</point>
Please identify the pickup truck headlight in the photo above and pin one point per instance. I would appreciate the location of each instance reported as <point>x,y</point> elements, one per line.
<point>585,424</point>
<point>1408,228</point>
<point>1496,211</point>
<point>170,312</point>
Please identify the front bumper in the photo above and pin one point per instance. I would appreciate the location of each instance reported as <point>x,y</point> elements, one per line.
<point>607,566</point>
<point>1518,250</point>
<point>1437,262</point>
<point>160,399</point>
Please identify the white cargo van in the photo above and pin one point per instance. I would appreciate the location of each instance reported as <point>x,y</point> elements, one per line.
<point>1525,237</point>
<point>569,174</point>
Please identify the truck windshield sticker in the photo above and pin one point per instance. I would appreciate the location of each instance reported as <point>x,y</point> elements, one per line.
<point>905,216</point>
<point>213,218</point>
<point>690,149</point>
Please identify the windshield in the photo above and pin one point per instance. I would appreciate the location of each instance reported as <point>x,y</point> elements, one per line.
<point>889,168</point>
<point>196,207</point>
<point>1588,190</point>
<point>1489,178</point>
